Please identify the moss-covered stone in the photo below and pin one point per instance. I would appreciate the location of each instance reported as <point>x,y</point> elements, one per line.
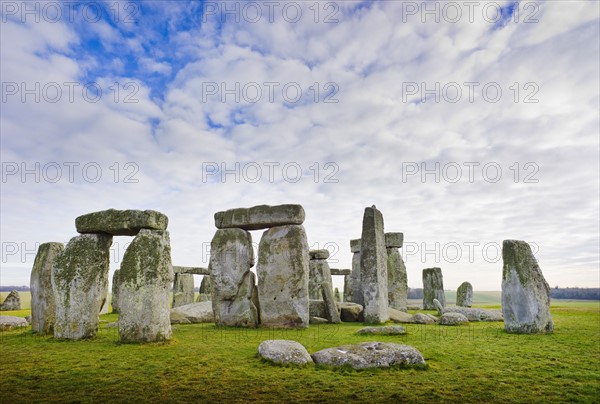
<point>464,295</point>
<point>121,222</point>
<point>397,280</point>
<point>260,217</point>
<point>183,289</point>
<point>43,306</point>
<point>433,288</point>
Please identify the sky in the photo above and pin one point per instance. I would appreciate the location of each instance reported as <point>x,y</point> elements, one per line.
<point>465,122</point>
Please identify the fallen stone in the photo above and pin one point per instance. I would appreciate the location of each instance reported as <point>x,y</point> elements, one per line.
<point>194,313</point>
<point>183,289</point>
<point>373,267</point>
<point>464,295</point>
<point>525,292</point>
<point>145,280</point>
<point>28,319</point>
<point>10,322</point>
<point>284,352</point>
<point>369,355</point>
<point>12,302</point>
<point>231,257</point>
<point>318,254</point>
<point>474,314</point>
<point>260,217</point>
<point>453,319</point>
<point>178,318</point>
<point>438,306</point>
<point>420,318</point>
<point>433,288</point>
<point>350,312</point>
<point>283,277</point>
<point>398,316</point>
<point>394,240</point>
<point>318,320</point>
<point>385,330</point>
<point>121,222</point>
<point>43,307</point>
<point>80,284</point>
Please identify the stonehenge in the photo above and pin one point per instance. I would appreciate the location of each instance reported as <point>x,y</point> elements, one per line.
<point>433,288</point>
<point>183,289</point>
<point>397,279</point>
<point>464,295</point>
<point>43,307</point>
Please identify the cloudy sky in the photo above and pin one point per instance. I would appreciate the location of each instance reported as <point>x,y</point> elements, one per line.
<point>465,123</point>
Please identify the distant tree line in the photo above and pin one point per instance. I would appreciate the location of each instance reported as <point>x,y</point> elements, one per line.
<point>575,293</point>
<point>17,288</point>
<point>415,293</point>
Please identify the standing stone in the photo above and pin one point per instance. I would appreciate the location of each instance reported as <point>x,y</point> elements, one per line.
<point>43,308</point>
<point>464,295</point>
<point>183,289</point>
<point>231,257</point>
<point>283,277</point>
<point>433,288</point>
<point>80,283</point>
<point>115,292</point>
<point>525,292</point>
<point>330,305</point>
<point>145,281</point>
<point>337,296</point>
<point>205,291</point>
<point>357,295</point>
<point>12,301</point>
<point>347,288</point>
<point>397,278</point>
<point>319,272</point>
<point>373,267</point>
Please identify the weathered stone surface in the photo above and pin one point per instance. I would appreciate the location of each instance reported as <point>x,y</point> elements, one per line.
<point>121,222</point>
<point>525,292</point>
<point>10,322</point>
<point>318,273</point>
<point>476,314</point>
<point>318,254</point>
<point>330,304</point>
<point>205,291</point>
<point>357,294</point>
<point>384,330</point>
<point>284,352</point>
<point>420,318</point>
<point>398,316</point>
<point>193,313</point>
<point>191,270</point>
<point>12,301</point>
<point>283,277</point>
<point>350,312</point>
<point>231,257</point>
<point>433,288</point>
<point>145,281</point>
<point>317,308</point>
<point>397,279</point>
<point>183,289</point>
<point>318,320</point>
<point>115,291</point>
<point>438,306</point>
<point>260,217</point>
<point>80,283</point>
<point>373,267</point>
<point>355,245</point>
<point>337,295</point>
<point>464,295</point>
<point>394,240</point>
<point>369,355</point>
<point>347,288</point>
<point>340,271</point>
<point>453,319</point>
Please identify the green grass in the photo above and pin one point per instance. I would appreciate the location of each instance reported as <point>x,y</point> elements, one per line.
<point>472,363</point>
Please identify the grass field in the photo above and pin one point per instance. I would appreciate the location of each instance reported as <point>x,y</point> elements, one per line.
<point>472,363</point>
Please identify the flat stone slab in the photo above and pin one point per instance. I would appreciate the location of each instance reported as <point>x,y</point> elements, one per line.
<point>398,316</point>
<point>473,314</point>
<point>121,222</point>
<point>260,217</point>
<point>385,330</point>
<point>350,312</point>
<point>420,318</point>
<point>284,352</point>
<point>453,319</point>
<point>337,271</point>
<point>318,254</point>
<point>10,322</point>
<point>193,313</point>
<point>355,245</point>
<point>191,270</point>
<point>370,355</point>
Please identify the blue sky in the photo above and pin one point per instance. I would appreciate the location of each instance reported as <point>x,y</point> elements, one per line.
<point>466,123</point>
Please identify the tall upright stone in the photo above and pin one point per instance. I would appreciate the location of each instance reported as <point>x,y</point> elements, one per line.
<point>231,257</point>
<point>183,289</point>
<point>43,307</point>
<point>373,267</point>
<point>347,288</point>
<point>319,272</point>
<point>114,300</point>
<point>357,295</point>
<point>525,292</point>
<point>205,290</point>
<point>145,281</point>
<point>283,277</point>
<point>80,283</point>
<point>397,277</point>
<point>464,295</point>
<point>433,288</point>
